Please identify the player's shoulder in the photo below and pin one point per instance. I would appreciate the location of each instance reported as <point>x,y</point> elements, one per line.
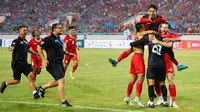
<point>67,36</point>
<point>146,16</point>
<point>159,37</point>
<point>160,17</point>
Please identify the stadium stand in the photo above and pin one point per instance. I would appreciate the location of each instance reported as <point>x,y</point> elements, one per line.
<point>96,16</point>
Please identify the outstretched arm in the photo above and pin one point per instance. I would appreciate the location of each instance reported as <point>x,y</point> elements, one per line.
<point>168,44</point>
<point>141,41</point>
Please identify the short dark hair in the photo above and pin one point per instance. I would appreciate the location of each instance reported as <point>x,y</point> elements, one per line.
<point>165,23</point>
<point>138,26</point>
<point>22,26</point>
<point>71,27</point>
<point>54,26</point>
<point>153,6</point>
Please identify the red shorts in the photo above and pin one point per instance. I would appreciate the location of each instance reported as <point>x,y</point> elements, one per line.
<point>169,64</point>
<point>69,58</point>
<point>36,62</point>
<point>137,64</point>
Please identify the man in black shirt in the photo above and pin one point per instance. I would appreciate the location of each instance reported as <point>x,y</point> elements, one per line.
<point>156,64</point>
<point>19,64</point>
<point>54,62</point>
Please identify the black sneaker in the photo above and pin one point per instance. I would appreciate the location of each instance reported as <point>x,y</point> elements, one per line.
<point>3,86</point>
<point>36,95</point>
<point>40,90</point>
<point>165,104</point>
<point>151,105</point>
<point>65,104</point>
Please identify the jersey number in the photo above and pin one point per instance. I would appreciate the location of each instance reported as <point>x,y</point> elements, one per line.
<point>72,42</point>
<point>157,49</point>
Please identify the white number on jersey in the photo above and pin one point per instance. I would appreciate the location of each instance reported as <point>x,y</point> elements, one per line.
<point>157,49</point>
<point>72,42</point>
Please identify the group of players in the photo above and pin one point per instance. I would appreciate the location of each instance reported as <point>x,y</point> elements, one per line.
<point>154,31</point>
<point>54,62</point>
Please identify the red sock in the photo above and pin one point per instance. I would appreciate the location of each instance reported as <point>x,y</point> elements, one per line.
<point>130,88</point>
<point>139,88</point>
<point>172,91</point>
<point>158,89</point>
<point>124,55</point>
<point>175,62</point>
<point>34,76</point>
<point>74,68</point>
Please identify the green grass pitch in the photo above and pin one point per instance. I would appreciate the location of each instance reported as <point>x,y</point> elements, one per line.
<point>98,87</point>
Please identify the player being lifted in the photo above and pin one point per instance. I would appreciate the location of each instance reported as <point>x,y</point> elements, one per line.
<point>71,48</point>
<point>137,67</point>
<point>36,61</point>
<point>156,65</point>
<point>151,22</point>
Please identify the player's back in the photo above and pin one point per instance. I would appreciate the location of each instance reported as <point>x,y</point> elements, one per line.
<point>156,54</point>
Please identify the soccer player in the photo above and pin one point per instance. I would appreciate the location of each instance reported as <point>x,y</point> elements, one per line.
<point>156,65</point>
<point>19,64</point>
<point>71,48</point>
<point>137,67</point>
<point>54,62</point>
<point>164,28</point>
<point>36,61</point>
<point>151,22</point>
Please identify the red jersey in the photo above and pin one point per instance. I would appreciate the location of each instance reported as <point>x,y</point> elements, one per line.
<point>71,43</point>
<point>152,25</point>
<point>170,35</point>
<point>33,44</point>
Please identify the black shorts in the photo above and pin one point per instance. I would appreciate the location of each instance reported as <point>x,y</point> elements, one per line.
<point>18,69</point>
<point>57,71</point>
<point>157,73</point>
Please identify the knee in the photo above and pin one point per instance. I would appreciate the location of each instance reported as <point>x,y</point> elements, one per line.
<point>17,81</point>
<point>38,71</point>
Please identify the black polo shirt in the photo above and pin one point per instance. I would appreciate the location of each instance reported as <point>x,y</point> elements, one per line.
<point>54,49</point>
<point>20,52</point>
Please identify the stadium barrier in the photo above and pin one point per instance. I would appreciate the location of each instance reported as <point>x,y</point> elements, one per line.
<point>117,44</point>
<point>7,43</point>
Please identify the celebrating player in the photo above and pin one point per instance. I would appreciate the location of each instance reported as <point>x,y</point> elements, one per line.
<point>151,22</point>
<point>137,69</point>
<point>164,28</point>
<point>156,65</point>
<point>71,48</point>
<point>36,61</point>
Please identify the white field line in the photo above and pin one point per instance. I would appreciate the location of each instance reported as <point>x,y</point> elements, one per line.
<point>82,107</point>
<point>87,64</point>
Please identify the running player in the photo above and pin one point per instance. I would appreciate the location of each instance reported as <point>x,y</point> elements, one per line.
<point>71,48</point>
<point>36,61</point>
